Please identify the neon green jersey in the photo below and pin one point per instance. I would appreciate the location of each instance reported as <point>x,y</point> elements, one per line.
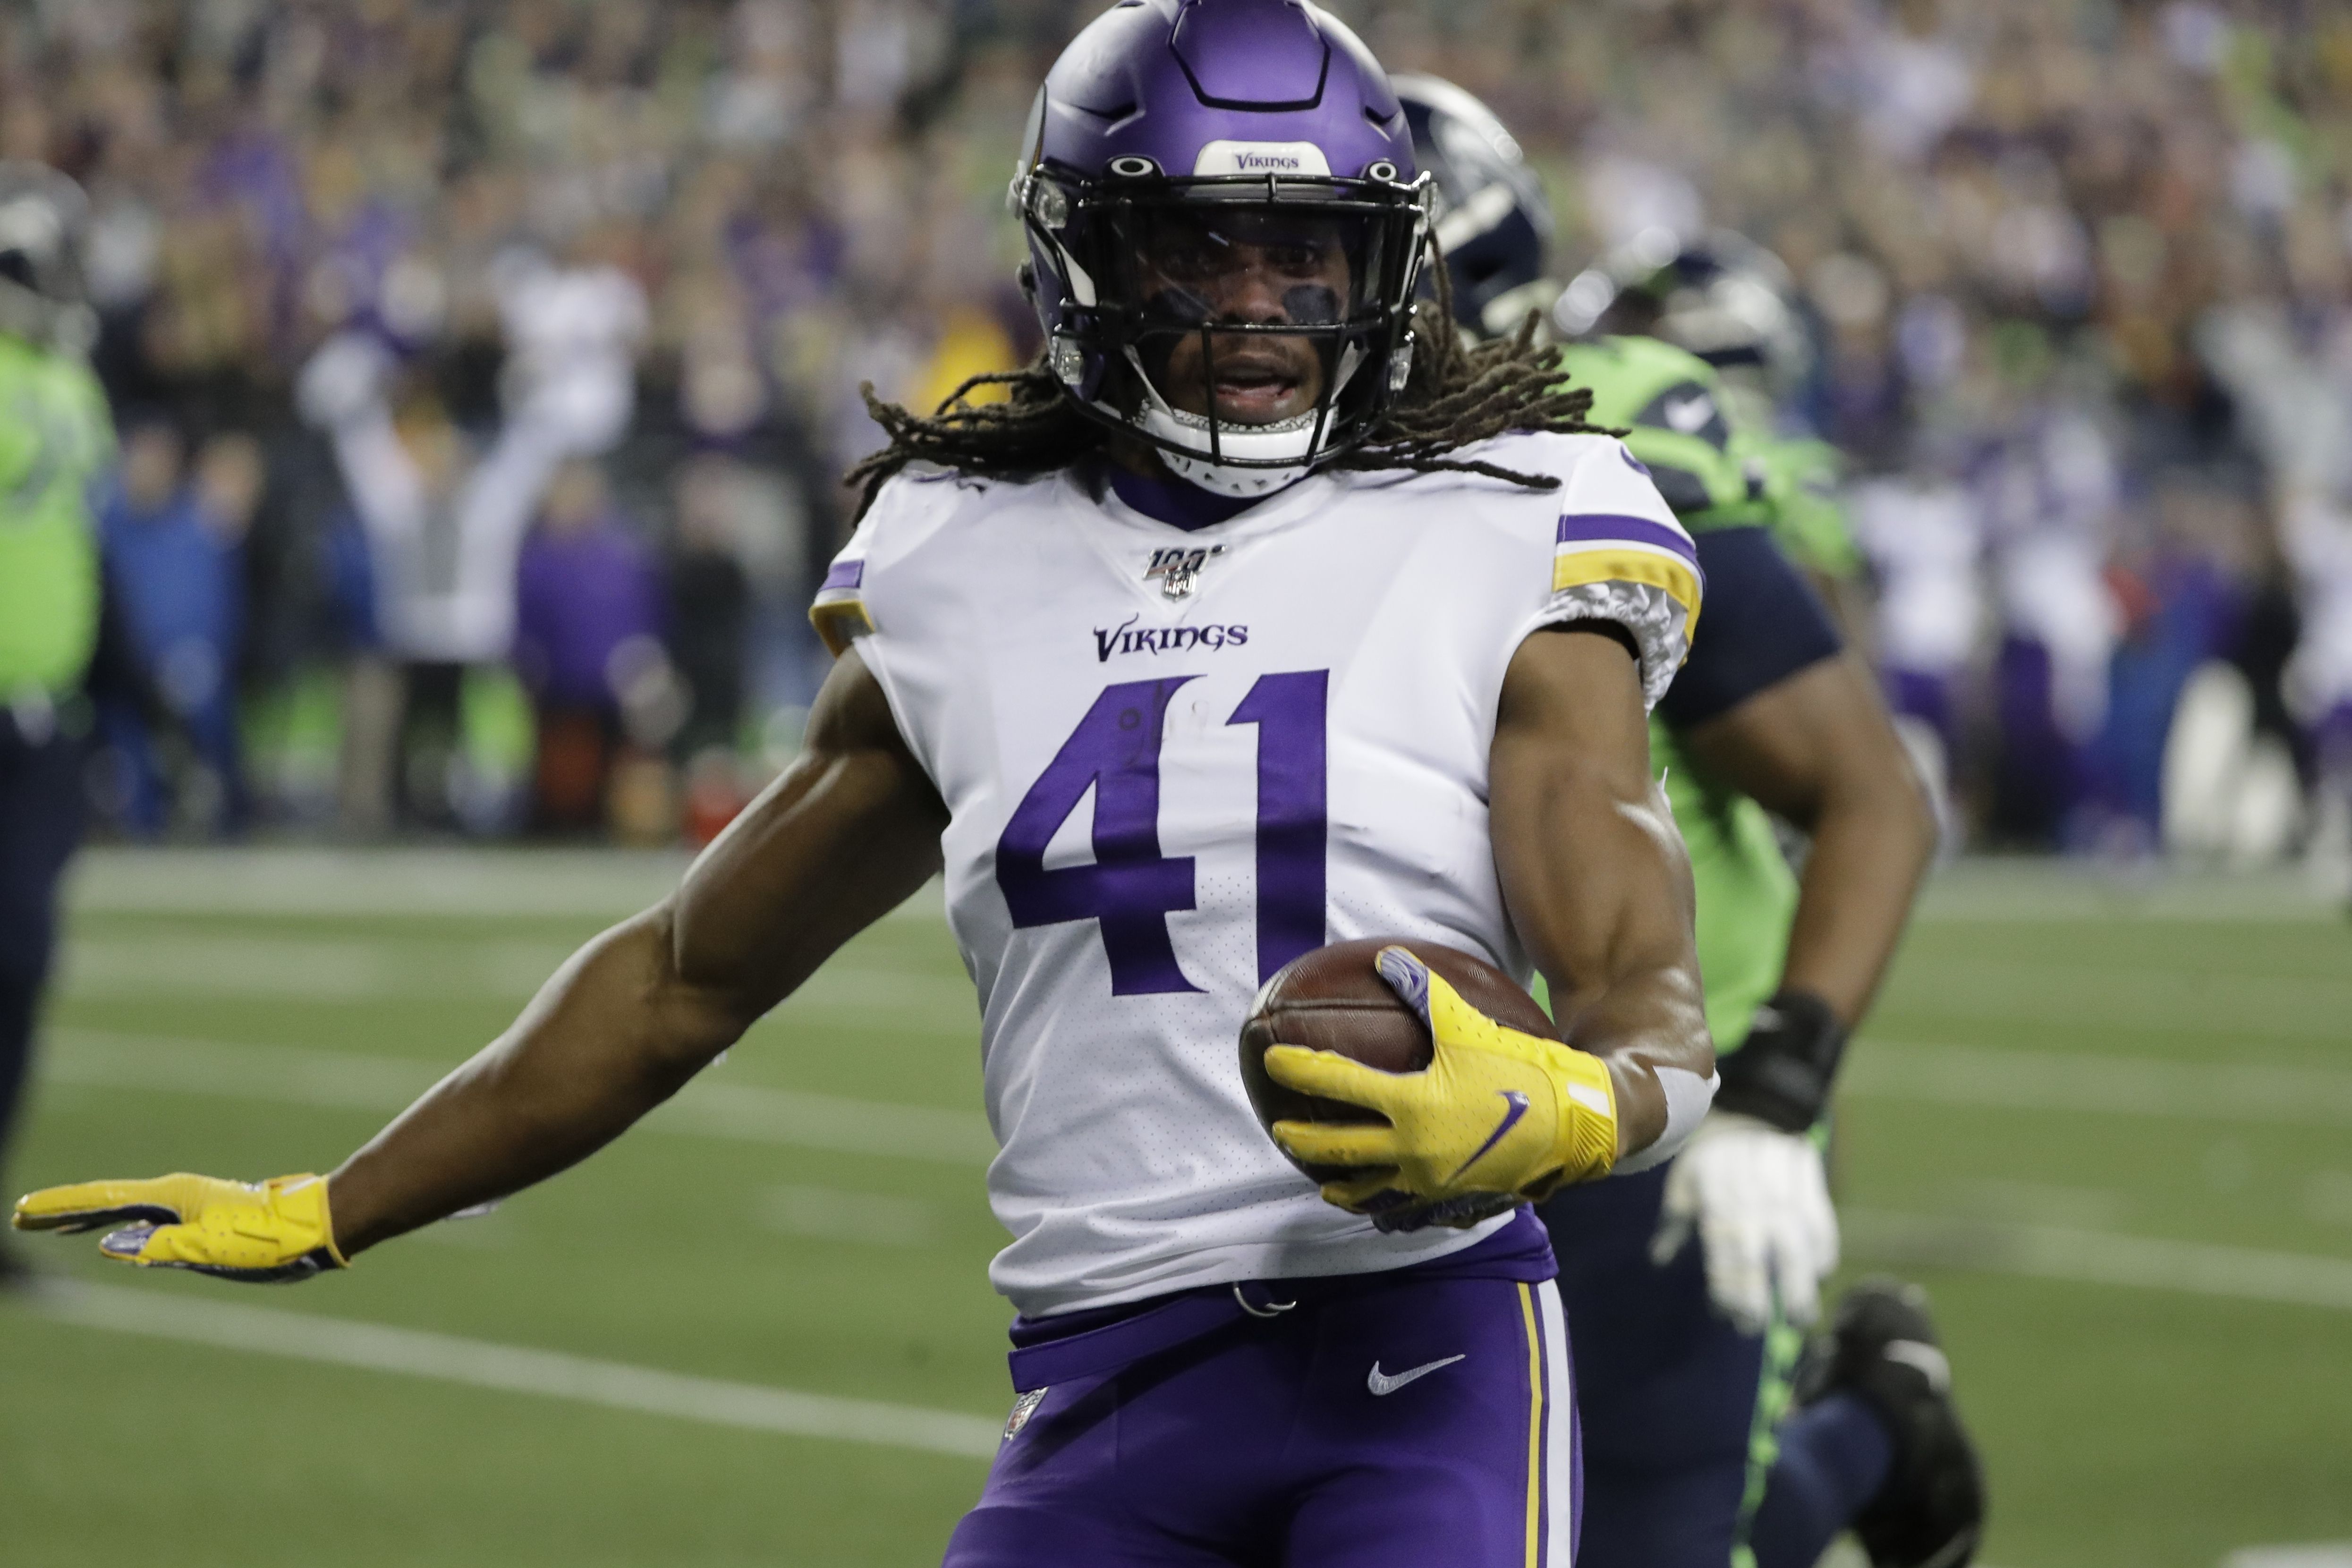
<point>1683,426</point>
<point>1802,478</point>
<point>55,439</point>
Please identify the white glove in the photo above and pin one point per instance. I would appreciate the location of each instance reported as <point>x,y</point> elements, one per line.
<point>1760,1202</point>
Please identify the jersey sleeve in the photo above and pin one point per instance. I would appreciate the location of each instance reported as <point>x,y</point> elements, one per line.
<point>839,613</point>
<point>1684,437</point>
<point>1678,420</point>
<point>1618,555</point>
<point>1763,626</point>
<point>904,513</point>
<point>1808,514</point>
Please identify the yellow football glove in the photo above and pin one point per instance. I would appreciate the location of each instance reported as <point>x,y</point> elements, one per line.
<point>278,1230</point>
<point>1498,1117</point>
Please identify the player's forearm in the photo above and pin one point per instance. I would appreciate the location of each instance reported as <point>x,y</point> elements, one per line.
<point>1645,1023</point>
<point>1596,877</point>
<point>615,1033</point>
<point>1873,839</point>
<point>1619,957</point>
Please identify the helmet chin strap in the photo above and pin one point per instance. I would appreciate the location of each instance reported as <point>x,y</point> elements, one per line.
<point>1184,445</point>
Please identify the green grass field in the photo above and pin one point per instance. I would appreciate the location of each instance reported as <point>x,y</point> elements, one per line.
<point>2144,1265</point>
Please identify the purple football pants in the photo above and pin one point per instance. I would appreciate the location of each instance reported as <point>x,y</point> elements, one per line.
<point>1379,1423</point>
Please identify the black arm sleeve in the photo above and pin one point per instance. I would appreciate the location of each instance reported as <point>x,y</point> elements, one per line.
<point>1760,625</point>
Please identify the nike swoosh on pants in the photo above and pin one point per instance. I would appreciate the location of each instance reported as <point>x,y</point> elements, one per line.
<point>1380,1384</point>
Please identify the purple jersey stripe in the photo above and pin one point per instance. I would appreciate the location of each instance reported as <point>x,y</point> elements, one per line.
<point>1599,527</point>
<point>844,574</point>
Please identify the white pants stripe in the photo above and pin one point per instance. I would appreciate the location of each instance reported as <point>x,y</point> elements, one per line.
<point>1559,1438</point>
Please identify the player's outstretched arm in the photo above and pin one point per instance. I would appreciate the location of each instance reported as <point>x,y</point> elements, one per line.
<point>1596,878</point>
<point>849,831</point>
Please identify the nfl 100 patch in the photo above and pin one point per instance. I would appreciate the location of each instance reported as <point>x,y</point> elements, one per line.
<point>1177,569</point>
<point>1022,1408</point>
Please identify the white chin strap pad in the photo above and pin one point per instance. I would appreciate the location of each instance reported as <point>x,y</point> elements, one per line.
<point>1291,439</point>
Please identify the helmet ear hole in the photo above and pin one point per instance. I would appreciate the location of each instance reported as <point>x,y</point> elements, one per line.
<point>1131,167</point>
<point>1382,170</point>
<point>1025,274</point>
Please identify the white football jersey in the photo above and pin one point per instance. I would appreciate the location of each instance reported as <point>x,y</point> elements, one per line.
<point>1174,760</point>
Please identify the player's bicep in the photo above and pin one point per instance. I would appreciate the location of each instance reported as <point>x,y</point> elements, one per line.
<point>1804,739</point>
<point>844,835</point>
<point>1592,868</point>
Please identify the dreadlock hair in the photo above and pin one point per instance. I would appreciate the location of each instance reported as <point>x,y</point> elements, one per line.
<point>1455,395</point>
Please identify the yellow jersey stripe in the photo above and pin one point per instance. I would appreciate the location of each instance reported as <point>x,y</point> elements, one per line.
<point>1535,1429</point>
<point>1680,583</point>
<point>840,620</point>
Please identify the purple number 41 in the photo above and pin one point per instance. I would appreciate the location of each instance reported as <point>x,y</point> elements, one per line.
<point>1132,888</point>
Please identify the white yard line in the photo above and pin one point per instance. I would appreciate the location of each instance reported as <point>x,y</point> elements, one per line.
<point>492,879</point>
<point>2000,890</point>
<point>360,969</point>
<point>2119,1085</point>
<point>512,1369</point>
<point>473,879</point>
<point>2100,1258</point>
<point>347,1081</point>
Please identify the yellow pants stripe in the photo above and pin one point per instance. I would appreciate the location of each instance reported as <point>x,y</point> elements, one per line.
<point>1535,1429</point>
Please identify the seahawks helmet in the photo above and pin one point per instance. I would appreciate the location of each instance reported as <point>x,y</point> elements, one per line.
<point>43,220</point>
<point>1225,232</point>
<point>1492,221</point>
<point>1723,297</point>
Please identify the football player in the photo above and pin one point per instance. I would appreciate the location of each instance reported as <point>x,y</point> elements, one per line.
<point>1685,1350</point>
<point>1258,614</point>
<point>1730,302</point>
<point>53,443</point>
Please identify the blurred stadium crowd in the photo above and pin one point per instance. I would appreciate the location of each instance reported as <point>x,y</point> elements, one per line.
<point>484,367</point>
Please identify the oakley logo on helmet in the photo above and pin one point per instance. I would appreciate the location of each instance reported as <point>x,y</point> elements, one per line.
<point>1261,158</point>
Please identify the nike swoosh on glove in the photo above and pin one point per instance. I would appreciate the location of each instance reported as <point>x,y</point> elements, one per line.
<point>1497,1112</point>
<point>259,1233</point>
<point>1758,1201</point>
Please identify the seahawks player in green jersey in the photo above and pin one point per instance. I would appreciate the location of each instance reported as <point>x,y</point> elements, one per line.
<point>55,438</point>
<point>1683,1351</point>
<point>1728,300</point>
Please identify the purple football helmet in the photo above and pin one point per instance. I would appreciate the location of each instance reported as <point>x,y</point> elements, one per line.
<point>1226,231</point>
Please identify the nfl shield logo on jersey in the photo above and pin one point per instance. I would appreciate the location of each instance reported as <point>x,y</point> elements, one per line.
<point>1022,1408</point>
<point>1177,570</point>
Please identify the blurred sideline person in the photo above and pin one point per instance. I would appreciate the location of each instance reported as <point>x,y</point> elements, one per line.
<point>173,545</point>
<point>2316,529</point>
<point>444,524</point>
<point>709,605</point>
<point>1685,1352</point>
<point>1924,540</point>
<point>56,439</point>
<point>1315,625</point>
<point>588,628</point>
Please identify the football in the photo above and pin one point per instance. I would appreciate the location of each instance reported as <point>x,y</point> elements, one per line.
<point>1334,999</point>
